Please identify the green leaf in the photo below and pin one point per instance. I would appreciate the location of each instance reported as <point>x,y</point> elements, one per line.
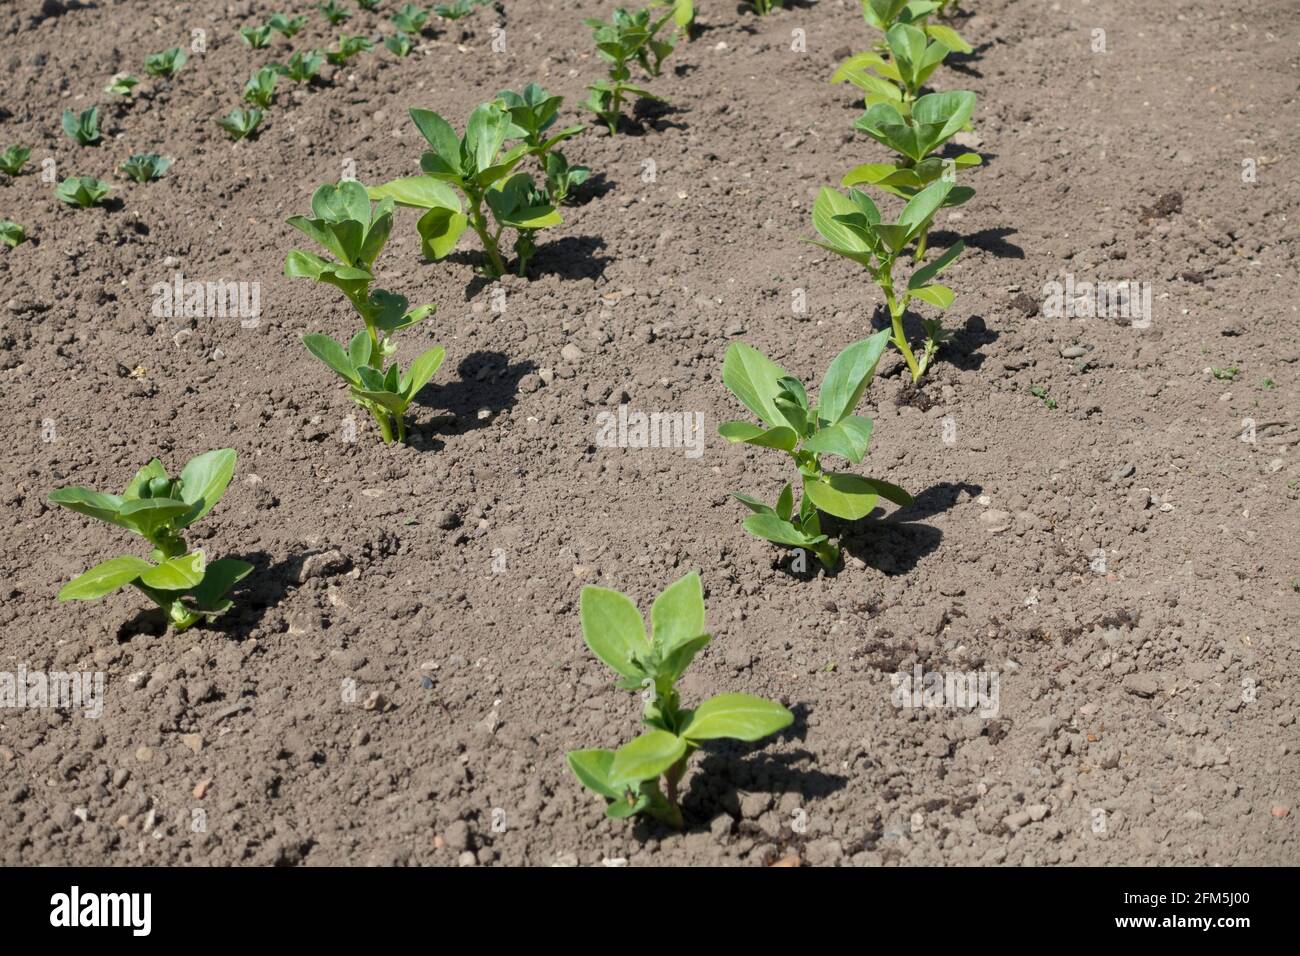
<point>332,354</point>
<point>848,438</point>
<point>646,757</point>
<point>769,527</point>
<point>219,577</point>
<point>421,370</point>
<point>146,515</point>
<point>592,767</point>
<point>440,230</point>
<point>737,716</point>
<point>104,579</point>
<point>753,504</point>
<point>674,665</point>
<point>677,614</point>
<point>204,480</point>
<point>178,574</point>
<point>923,275</point>
<point>842,495</point>
<point>840,237</point>
<point>419,192</point>
<point>849,375</point>
<point>948,37</point>
<point>781,436</point>
<point>922,207</point>
<point>785,502</point>
<point>87,502</point>
<point>613,629</point>
<point>752,378</point>
<point>935,294</point>
<point>360,347</point>
<point>889,491</point>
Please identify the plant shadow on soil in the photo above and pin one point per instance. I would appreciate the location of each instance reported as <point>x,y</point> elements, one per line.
<point>484,380</point>
<point>732,767</point>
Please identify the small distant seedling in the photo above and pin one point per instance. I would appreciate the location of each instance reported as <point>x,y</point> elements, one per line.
<point>122,84</point>
<point>1225,374</point>
<point>165,64</point>
<point>344,223</point>
<point>347,48</point>
<point>475,167</point>
<point>143,167</point>
<point>1039,392</point>
<point>410,18</point>
<point>806,432</point>
<point>368,5</point>
<point>852,227</point>
<point>83,191</point>
<point>302,67</point>
<point>457,9</point>
<point>533,113</point>
<point>399,44</point>
<point>627,38</point>
<point>11,234</point>
<point>287,26</point>
<point>764,7</point>
<point>241,123</point>
<point>14,158</point>
<point>82,127</point>
<point>260,88</point>
<point>181,582</point>
<point>333,13</point>
<point>615,632</point>
<point>257,37</point>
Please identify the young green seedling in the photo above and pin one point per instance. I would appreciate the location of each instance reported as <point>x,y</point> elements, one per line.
<point>11,234</point>
<point>302,67</point>
<point>627,38</point>
<point>122,84</point>
<point>683,13</point>
<point>82,127</point>
<point>14,158</point>
<point>165,64</point>
<point>143,167</point>
<point>260,88</point>
<point>852,227</point>
<point>399,44</point>
<point>241,123</point>
<point>256,37</point>
<point>159,509</point>
<point>533,114</point>
<point>368,5</point>
<point>884,14</point>
<point>410,18</point>
<point>806,432</point>
<point>473,166</point>
<point>83,191</point>
<point>615,632</point>
<point>935,118</point>
<point>457,9</point>
<point>347,48</point>
<point>287,26</point>
<point>344,223</point>
<point>764,7</point>
<point>333,13</point>
<point>898,79</point>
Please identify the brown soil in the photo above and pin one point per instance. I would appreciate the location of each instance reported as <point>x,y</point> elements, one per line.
<point>1156,695</point>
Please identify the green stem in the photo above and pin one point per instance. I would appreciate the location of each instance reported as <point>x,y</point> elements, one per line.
<point>495,267</point>
<point>385,426</point>
<point>896,312</point>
